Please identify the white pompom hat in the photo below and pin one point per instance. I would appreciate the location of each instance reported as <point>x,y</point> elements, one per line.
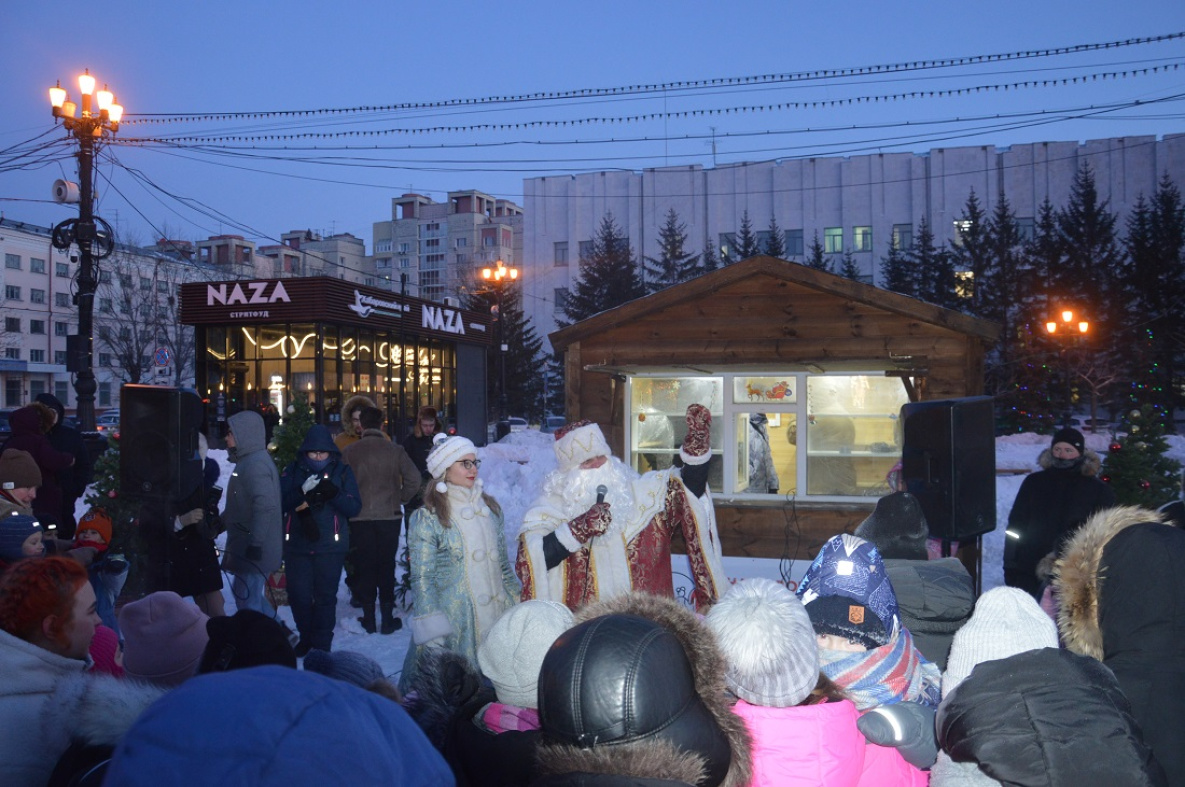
<point>448,449</point>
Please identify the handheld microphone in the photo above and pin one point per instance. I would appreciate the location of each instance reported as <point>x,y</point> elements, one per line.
<point>601,491</point>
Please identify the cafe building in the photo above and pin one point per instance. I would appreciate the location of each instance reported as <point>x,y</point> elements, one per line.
<point>805,374</point>
<point>262,342</point>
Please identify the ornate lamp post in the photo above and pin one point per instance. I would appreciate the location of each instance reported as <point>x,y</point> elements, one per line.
<point>1070,332</point>
<point>498,276</point>
<point>95,240</point>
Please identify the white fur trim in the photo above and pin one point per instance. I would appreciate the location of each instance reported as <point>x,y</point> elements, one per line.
<point>579,445</point>
<point>563,534</point>
<point>426,628</point>
<point>694,460</point>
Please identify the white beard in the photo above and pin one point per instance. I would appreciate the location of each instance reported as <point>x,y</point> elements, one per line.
<point>577,489</point>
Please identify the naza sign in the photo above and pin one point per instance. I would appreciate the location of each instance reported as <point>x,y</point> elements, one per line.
<point>246,292</point>
<point>442,319</point>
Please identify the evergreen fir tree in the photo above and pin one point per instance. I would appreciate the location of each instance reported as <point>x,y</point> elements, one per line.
<point>897,274</point>
<point>815,257</point>
<point>708,260</point>
<point>933,269</point>
<point>523,356</point>
<point>746,241</point>
<point>848,268</point>
<point>972,255</point>
<point>1136,465</point>
<point>124,511</point>
<point>608,276</point>
<point>775,244</point>
<point>674,264</point>
<point>290,432</point>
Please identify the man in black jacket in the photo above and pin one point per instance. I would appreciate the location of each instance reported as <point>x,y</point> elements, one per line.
<point>74,479</point>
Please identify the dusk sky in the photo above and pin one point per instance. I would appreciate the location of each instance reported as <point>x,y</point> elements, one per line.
<point>204,177</point>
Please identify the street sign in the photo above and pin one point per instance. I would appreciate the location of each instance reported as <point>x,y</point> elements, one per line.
<point>162,356</point>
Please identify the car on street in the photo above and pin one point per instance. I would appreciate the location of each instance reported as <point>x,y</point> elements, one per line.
<point>5,427</point>
<point>108,421</point>
<point>551,423</point>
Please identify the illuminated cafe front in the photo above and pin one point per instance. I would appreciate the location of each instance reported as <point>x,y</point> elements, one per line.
<point>260,343</point>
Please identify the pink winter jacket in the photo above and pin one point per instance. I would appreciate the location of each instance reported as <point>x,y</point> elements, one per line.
<point>811,745</point>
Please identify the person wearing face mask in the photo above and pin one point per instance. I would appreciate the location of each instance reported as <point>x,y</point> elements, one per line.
<point>1051,504</point>
<point>460,571</point>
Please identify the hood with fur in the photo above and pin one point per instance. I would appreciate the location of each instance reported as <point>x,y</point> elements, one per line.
<point>654,758</point>
<point>1077,580</point>
<point>96,709</point>
<point>1091,462</point>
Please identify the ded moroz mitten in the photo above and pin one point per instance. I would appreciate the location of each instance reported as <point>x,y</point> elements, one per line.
<point>593,522</point>
<point>697,445</point>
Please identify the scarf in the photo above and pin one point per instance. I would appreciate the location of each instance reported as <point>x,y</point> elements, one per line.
<point>498,717</point>
<point>894,672</point>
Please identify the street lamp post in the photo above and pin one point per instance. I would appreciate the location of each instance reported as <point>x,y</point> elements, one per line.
<point>497,276</point>
<point>1070,332</point>
<point>99,119</point>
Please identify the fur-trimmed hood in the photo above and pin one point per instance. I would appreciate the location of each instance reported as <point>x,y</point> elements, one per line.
<point>1077,577</point>
<point>1091,462</point>
<point>655,758</point>
<point>355,402</point>
<point>96,709</point>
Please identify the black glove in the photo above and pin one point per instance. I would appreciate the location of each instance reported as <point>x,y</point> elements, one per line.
<point>254,553</point>
<point>322,493</point>
<point>114,565</point>
<point>308,525</point>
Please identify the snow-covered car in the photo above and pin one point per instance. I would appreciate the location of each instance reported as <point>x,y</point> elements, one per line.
<point>551,423</point>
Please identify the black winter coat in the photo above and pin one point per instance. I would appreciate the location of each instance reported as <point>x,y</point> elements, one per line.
<point>935,598</point>
<point>1052,504</point>
<point>1046,716</point>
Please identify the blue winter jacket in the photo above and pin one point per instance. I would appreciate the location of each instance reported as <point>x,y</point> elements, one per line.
<point>332,517</point>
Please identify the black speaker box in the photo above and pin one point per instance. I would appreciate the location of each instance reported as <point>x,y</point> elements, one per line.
<point>949,464</point>
<point>158,447</point>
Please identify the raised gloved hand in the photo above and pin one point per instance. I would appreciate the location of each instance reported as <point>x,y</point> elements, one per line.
<point>322,493</point>
<point>593,522</point>
<point>114,564</point>
<point>308,524</point>
<point>254,553</point>
<point>906,726</point>
<point>697,445</point>
<point>309,483</point>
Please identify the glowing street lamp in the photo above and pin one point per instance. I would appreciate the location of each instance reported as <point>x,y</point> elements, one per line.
<point>497,276</point>
<point>1064,331</point>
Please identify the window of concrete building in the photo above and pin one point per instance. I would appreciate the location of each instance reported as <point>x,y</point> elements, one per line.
<point>586,249</point>
<point>145,283</point>
<point>61,389</point>
<point>902,237</point>
<point>794,247</point>
<point>105,394</point>
<point>104,359</point>
<point>125,281</point>
<point>36,265</point>
<point>433,261</point>
<point>37,327</point>
<point>59,358</point>
<point>61,270</point>
<point>833,240</point>
<point>432,243</point>
<point>61,299</point>
<point>36,295</point>
<point>37,356</point>
<point>462,259</point>
<point>404,263</point>
<point>12,324</point>
<point>960,227</point>
<point>404,248</point>
<point>162,286</point>
<point>12,387</point>
<point>561,253</point>
<point>727,243</point>
<point>12,292</point>
<point>36,387</point>
<point>964,284</point>
<point>125,333</point>
<point>1025,227</point>
<point>462,243</point>
<point>861,238</point>
<point>61,329</point>
<point>561,299</point>
<point>12,261</point>
<point>12,353</point>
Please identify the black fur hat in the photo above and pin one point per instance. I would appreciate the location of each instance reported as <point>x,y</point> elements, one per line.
<point>897,527</point>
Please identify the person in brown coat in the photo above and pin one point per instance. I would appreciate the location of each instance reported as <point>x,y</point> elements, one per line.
<point>351,427</point>
<point>29,425</point>
<point>386,478</point>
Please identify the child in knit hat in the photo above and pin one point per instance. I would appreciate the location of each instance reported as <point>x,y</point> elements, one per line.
<point>862,645</point>
<point>164,637</point>
<point>804,728</point>
<point>108,572</point>
<point>20,537</point>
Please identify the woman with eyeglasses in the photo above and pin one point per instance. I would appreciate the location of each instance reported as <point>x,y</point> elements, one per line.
<point>461,576</point>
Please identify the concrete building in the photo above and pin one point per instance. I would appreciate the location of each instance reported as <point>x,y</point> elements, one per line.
<point>856,203</point>
<point>441,246</point>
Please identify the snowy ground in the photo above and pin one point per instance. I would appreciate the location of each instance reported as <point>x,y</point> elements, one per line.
<point>514,468</point>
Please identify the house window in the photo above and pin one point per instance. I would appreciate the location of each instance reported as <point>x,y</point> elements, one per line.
<point>61,270</point>
<point>59,359</point>
<point>1025,228</point>
<point>62,300</point>
<point>794,247</point>
<point>37,326</point>
<point>12,261</point>
<point>432,243</point>
<point>61,329</point>
<point>145,283</point>
<point>561,299</point>
<point>961,228</point>
<point>462,243</point>
<point>902,237</point>
<point>61,390</point>
<point>36,265</point>
<point>462,259</point>
<point>404,248</point>
<point>36,295</point>
<point>105,394</point>
<point>833,240</point>
<point>36,356</point>
<point>964,284</point>
<point>728,242</point>
<point>404,262</point>
<point>489,240</point>
<point>12,353</point>
<point>12,292</point>
<point>861,238</point>
<point>12,390</point>
<point>12,324</point>
<point>586,249</point>
<point>105,305</point>
<point>162,287</point>
<point>36,387</point>
<point>125,333</point>
<point>561,253</point>
<point>104,359</point>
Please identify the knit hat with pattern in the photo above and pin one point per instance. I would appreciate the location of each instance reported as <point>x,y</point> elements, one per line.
<point>847,593</point>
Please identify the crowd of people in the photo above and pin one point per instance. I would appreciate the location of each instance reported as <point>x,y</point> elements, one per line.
<point>573,663</point>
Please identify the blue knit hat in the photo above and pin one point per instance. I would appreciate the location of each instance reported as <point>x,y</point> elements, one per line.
<point>14,530</point>
<point>847,593</point>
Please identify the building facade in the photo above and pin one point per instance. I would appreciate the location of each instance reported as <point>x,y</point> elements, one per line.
<point>434,250</point>
<point>859,204</point>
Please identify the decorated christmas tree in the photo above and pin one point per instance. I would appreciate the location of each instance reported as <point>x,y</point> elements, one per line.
<point>289,434</point>
<point>105,493</point>
<point>1136,465</point>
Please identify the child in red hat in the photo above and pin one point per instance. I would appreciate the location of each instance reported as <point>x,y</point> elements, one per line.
<point>108,572</point>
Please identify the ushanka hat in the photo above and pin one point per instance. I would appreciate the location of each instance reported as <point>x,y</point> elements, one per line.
<point>897,527</point>
<point>18,470</point>
<point>447,450</point>
<point>578,442</point>
<point>847,593</point>
<point>768,643</point>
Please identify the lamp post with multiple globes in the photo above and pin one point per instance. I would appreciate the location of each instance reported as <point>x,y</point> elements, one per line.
<point>1070,332</point>
<point>497,276</point>
<point>99,118</point>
